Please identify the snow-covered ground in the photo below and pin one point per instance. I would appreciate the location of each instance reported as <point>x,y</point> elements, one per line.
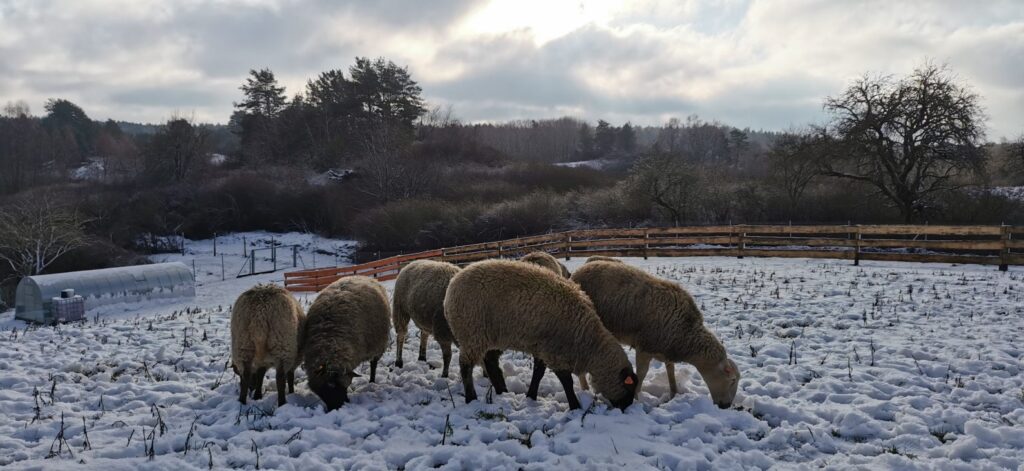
<point>886,365</point>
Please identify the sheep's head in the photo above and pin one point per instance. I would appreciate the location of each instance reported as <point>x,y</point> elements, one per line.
<point>331,385</point>
<point>620,389</point>
<point>722,379</point>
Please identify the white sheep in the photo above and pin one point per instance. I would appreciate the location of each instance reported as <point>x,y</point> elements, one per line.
<point>266,322</point>
<point>497,305</point>
<point>419,296</point>
<point>347,324</point>
<point>660,320</point>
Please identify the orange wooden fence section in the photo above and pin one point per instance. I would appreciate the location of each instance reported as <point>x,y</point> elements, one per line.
<point>988,245</point>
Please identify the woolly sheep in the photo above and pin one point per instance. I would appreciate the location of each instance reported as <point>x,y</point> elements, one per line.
<point>546,260</point>
<point>419,295</point>
<point>347,324</point>
<point>497,305</point>
<point>660,320</point>
<point>266,322</point>
<point>602,258</point>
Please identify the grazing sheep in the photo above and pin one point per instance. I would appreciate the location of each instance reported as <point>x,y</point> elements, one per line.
<point>266,322</point>
<point>602,258</point>
<point>347,324</point>
<point>497,305</point>
<point>546,260</point>
<point>419,295</point>
<point>660,320</point>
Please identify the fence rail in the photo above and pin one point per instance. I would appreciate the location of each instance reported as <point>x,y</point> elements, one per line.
<point>987,245</point>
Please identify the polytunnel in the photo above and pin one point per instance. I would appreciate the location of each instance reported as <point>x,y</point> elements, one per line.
<point>33,299</point>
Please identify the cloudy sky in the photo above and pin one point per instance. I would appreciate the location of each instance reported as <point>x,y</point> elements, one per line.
<point>758,63</point>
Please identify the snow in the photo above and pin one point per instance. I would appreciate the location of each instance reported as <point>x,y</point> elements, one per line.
<point>597,164</point>
<point>886,365</point>
<point>1015,193</point>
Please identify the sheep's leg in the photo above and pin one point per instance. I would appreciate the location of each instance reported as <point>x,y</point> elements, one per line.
<point>258,393</point>
<point>291,381</point>
<point>282,381</point>
<point>538,373</point>
<point>373,369</point>
<point>670,368</point>
<point>424,336</point>
<point>446,358</point>
<point>565,377</point>
<point>400,334</point>
<point>643,363</point>
<point>494,371</point>
<point>243,387</point>
<point>466,371</point>
<point>584,385</point>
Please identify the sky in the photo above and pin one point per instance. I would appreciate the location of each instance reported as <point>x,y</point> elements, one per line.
<point>763,64</point>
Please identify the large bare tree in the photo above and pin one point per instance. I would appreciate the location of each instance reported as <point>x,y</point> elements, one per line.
<point>34,233</point>
<point>909,138</point>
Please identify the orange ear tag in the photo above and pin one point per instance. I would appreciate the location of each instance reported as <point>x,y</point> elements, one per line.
<point>629,380</point>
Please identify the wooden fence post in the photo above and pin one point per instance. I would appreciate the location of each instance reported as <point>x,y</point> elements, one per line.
<point>741,244</point>
<point>856,252</point>
<point>647,242</point>
<point>1004,253</point>
<point>568,246</point>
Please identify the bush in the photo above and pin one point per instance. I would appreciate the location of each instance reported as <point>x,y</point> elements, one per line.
<point>535,213</point>
<point>417,225</point>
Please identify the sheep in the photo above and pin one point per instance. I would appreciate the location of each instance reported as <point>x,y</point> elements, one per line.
<point>660,320</point>
<point>496,305</point>
<point>546,260</point>
<point>602,258</point>
<point>266,322</point>
<point>419,295</point>
<point>347,324</point>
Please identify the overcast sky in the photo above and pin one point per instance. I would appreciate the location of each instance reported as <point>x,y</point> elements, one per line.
<point>749,63</point>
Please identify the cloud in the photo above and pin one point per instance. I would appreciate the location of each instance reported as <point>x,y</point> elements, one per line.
<point>758,63</point>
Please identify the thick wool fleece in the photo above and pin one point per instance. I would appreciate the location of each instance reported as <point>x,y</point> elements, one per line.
<point>419,296</point>
<point>348,323</point>
<point>660,320</point>
<point>266,330</point>
<point>505,305</point>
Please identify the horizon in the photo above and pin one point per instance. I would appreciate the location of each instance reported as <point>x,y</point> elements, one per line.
<point>743,63</point>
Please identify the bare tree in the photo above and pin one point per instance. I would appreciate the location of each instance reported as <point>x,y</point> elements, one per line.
<point>34,233</point>
<point>795,161</point>
<point>387,171</point>
<point>668,183</point>
<point>909,138</point>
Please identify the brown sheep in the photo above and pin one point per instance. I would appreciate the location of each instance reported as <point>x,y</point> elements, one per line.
<point>497,305</point>
<point>266,322</point>
<point>348,324</point>
<point>660,320</point>
<point>419,295</point>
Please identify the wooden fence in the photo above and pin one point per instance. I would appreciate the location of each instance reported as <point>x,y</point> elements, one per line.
<point>987,245</point>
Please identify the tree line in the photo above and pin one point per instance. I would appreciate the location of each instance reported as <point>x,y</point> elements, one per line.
<point>359,153</point>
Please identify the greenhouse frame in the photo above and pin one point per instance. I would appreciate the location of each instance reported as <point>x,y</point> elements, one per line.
<point>132,284</point>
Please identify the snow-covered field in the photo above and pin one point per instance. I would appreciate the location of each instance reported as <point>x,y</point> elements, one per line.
<point>886,365</point>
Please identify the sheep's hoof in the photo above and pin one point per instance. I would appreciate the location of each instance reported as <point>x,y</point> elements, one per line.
<point>398,363</point>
